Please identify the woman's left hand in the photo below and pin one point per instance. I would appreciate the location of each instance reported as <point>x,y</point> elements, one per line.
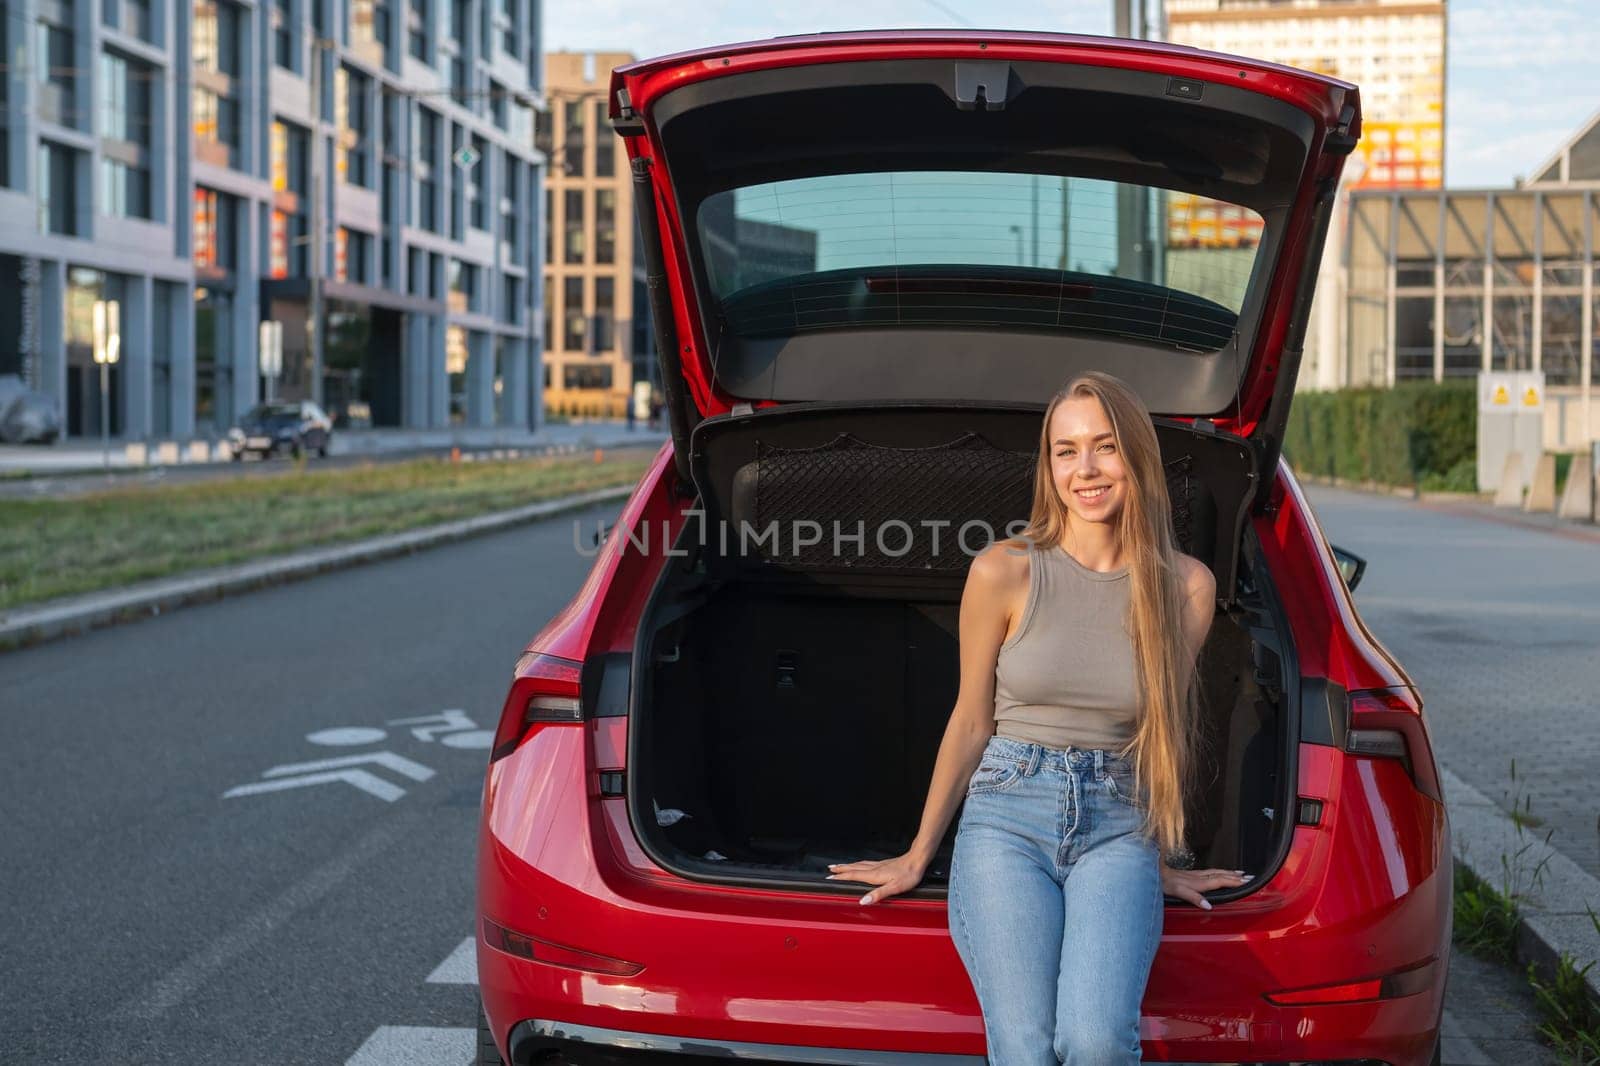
<point>1188,884</point>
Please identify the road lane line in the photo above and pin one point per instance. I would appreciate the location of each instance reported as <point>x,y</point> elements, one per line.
<point>413,1045</point>
<point>188,976</point>
<point>461,968</point>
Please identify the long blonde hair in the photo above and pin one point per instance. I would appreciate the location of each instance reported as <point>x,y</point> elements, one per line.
<point>1164,746</point>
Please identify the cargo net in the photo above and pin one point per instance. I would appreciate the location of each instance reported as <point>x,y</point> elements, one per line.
<point>849,505</point>
<point>909,505</point>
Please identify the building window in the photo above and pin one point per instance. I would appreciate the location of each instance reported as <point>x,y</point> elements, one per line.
<point>511,308</point>
<point>215,37</point>
<point>572,144</point>
<point>477,191</point>
<point>291,148</point>
<point>283,34</point>
<point>218,52</point>
<point>543,139</point>
<point>58,189</point>
<point>417,30</point>
<point>124,189</point>
<point>498,111</point>
<point>352,256</point>
<point>463,286</point>
<point>132,17</point>
<point>549,226</point>
<point>57,78</point>
<point>573,242</point>
<point>428,168</point>
<point>364,37</point>
<point>125,129</point>
<point>213,359</point>
<point>549,315</point>
<point>605,225</point>
<point>586,376</point>
<point>456,353</point>
<point>458,26</point>
<point>605,314</point>
<point>508,32</point>
<point>605,142</point>
<point>510,206</point>
<point>215,230</point>
<point>353,144</point>
<point>572,315</point>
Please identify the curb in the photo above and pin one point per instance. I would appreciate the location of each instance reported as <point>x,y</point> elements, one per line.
<point>28,626</point>
<point>1553,916</point>
<point>1465,505</point>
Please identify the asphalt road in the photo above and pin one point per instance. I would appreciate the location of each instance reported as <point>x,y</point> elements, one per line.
<point>149,917</point>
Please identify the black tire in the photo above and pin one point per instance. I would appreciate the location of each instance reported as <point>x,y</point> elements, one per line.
<point>488,1054</point>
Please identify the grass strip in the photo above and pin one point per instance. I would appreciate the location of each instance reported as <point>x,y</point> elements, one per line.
<point>66,547</point>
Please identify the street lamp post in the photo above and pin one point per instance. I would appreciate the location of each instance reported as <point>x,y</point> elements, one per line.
<point>107,349</point>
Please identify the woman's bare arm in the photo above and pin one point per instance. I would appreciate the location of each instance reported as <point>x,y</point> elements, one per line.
<point>985,616</point>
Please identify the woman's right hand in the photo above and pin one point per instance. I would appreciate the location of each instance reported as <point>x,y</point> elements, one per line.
<point>892,876</point>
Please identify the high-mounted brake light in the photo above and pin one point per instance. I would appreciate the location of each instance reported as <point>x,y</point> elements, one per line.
<point>531,947</point>
<point>546,691</point>
<point>1387,724</point>
<point>1406,983</point>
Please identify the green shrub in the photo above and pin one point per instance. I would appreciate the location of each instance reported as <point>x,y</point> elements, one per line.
<point>1417,432</point>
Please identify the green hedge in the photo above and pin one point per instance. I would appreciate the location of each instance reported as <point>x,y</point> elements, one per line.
<point>1416,432</point>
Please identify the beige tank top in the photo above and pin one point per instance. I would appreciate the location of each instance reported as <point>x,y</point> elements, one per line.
<point>1067,677</point>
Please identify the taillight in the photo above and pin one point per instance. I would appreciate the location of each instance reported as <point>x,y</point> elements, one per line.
<point>546,691</point>
<point>1387,724</point>
<point>1406,983</point>
<point>531,947</point>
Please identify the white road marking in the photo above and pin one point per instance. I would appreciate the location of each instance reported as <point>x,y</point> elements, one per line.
<point>368,783</point>
<point>414,1045</point>
<point>398,763</point>
<point>323,771</point>
<point>476,739</point>
<point>460,968</point>
<point>346,736</point>
<point>430,726</point>
<point>198,968</point>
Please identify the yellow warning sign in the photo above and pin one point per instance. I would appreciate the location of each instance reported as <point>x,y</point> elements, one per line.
<point>1501,396</point>
<point>1531,397</point>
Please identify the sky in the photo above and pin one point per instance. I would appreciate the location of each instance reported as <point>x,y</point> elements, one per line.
<point>1521,75</point>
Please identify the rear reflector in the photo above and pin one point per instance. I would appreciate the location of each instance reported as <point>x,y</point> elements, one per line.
<point>530,947</point>
<point>1406,983</point>
<point>545,690</point>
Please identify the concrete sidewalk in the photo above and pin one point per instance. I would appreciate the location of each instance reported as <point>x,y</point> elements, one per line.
<point>86,455</point>
<point>1558,899</point>
<point>64,617</point>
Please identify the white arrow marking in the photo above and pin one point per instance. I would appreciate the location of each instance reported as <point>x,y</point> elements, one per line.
<point>322,771</point>
<point>399,764</point>
<point>369,783</point>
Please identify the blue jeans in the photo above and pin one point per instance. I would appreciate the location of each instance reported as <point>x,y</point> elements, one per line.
<point>1055,904</point>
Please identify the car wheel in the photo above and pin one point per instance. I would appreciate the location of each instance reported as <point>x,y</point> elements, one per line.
<point>488,1054</point>
<point>322,449</point>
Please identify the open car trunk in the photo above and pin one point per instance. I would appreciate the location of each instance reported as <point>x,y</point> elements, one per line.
<point>789,701</point>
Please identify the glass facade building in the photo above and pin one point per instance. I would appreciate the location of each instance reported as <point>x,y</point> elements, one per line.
<point>212,164</point>
<point>1454,282</point>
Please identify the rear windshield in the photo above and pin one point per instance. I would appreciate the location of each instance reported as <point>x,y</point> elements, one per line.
<point>979,249</point>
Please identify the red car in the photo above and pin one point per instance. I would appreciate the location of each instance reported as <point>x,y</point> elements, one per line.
<point>873,257</point>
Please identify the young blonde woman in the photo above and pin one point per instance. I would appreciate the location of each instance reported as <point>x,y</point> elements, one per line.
<point>1071,743</point>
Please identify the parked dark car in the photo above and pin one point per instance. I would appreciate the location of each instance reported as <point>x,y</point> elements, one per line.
<point>296,427</point>
<point>26,416</point>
